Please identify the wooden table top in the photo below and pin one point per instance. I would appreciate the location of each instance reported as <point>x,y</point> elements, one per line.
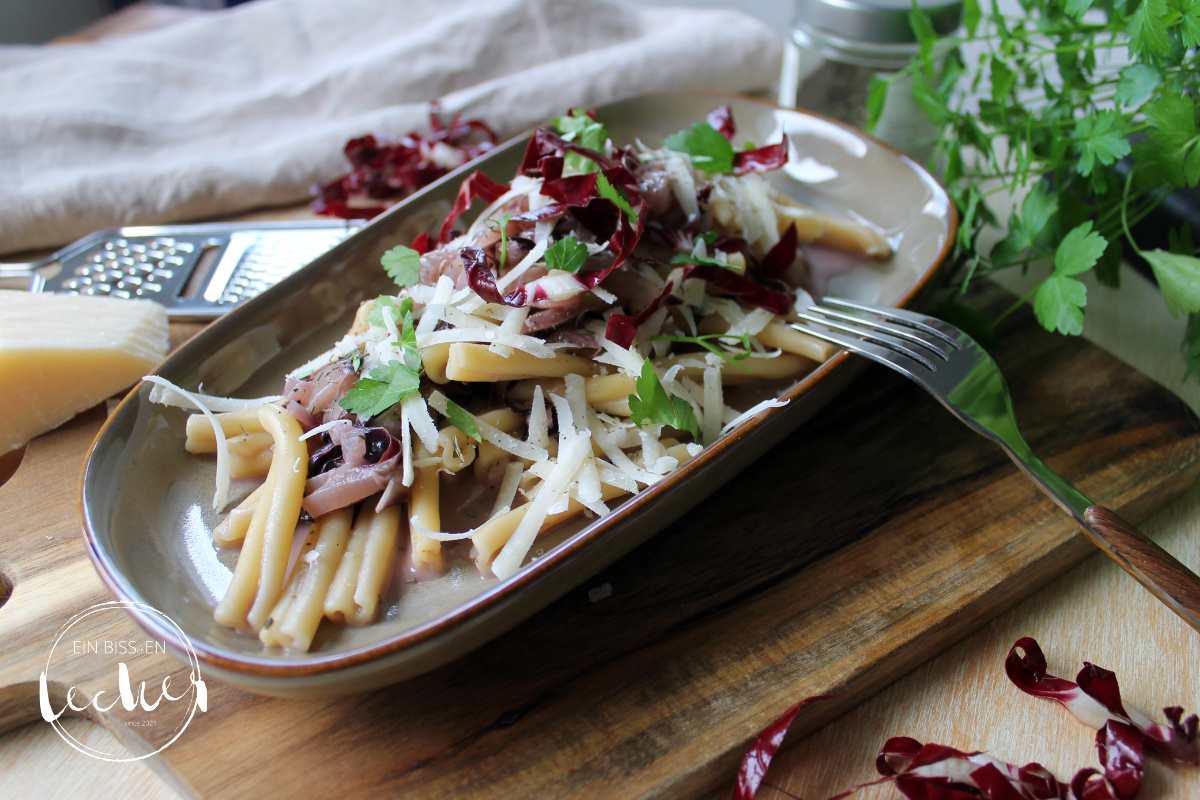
<point>960,697</point>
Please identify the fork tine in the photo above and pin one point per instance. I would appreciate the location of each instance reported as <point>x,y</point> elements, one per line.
<point>890,328</point>
<point>920,322</point>
<point>871,343</point>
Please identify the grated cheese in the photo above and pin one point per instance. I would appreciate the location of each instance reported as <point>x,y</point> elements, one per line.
<point>221,497</point>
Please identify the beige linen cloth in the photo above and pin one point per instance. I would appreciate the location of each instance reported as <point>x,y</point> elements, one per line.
<point>249,107</point>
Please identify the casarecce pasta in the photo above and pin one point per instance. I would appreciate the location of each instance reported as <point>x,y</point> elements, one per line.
<point>610,313</point>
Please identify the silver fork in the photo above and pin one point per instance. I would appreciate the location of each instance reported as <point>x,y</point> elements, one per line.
<point>952,367</point>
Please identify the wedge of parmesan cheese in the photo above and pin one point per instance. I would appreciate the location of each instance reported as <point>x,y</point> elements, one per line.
<point>60,355</point>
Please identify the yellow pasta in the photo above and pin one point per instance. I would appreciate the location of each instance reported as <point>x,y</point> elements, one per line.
<point>288,471</point>
<point>492,535</point>
<point>233,528</point>
<point>355,589</point>
<point>475,362</point>
<point>201,438</point>
<point>425,512</point>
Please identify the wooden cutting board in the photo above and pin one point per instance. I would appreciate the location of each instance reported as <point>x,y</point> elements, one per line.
<point>880,533</point>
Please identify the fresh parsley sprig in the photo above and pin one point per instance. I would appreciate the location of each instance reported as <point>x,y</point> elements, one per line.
<point>403,265</point>
<point>383,387</point>
<point>653,406</point>
<point>567,254</point>
<point>1071,88</point>
<point>705,146</point>
<point>580,128</point>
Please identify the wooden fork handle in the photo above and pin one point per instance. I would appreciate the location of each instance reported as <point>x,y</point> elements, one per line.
<point>1156,569</point>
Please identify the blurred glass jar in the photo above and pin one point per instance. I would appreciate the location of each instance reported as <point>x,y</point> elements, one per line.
<point>837,46</point>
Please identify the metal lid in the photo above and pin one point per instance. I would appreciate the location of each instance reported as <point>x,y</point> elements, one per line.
<point>875,21</point>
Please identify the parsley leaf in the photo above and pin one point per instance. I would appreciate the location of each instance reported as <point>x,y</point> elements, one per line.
<point>403,265</point>
<point>1099,139</point>
<point>1173,122</point>
<point>616,196</point>
<point>385,386</point>
<point>1079,251</point>
<point>653,405</point>
<point>708,342</point>
<point>584,131</point>
<point>1061,297</point>
<point>1178,278</point>
<point>707,148</point>
<point>1138,82</point>
<point>408,336</point>
<point>462,420</point>
<point>567,254</point>
<point>375,317</point>
<point>1059,304</point>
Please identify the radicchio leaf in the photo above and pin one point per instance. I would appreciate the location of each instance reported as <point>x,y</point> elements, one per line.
<point>478,185</point>
<point>545,145</point>
<point>622,328</point>
<point>780,257</point>
<point>388,170</point>
<point>483,282</point>
<point>721,118</point>
<point>743,288</point>
<point>926,772</point>
<point>764,159</point>
<point>762,750</point>
<point>1095,698</point>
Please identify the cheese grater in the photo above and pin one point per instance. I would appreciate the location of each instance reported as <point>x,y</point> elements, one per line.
<point>197,272</point>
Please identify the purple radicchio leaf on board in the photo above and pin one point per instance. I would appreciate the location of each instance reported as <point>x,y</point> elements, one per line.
<point>1094,698</point>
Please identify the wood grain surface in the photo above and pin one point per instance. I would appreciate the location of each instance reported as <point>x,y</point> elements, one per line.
<point>878,535</point>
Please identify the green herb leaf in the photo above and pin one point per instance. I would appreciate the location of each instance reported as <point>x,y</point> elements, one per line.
<point>1079,251</point>
<point>1100,140</point>
<point>1077,8</point>
<point>462,420</point>
<point>1059,304</point>
<point>652,405</point>
<point>709,342</point>
<point>1178,278</point>
<point>375,316</point>
<point>709,238</point>
<point>876,95</point>
<point>584,131</point>
<point>972,15</point>
<point>567,254</point>
<point>707,148</point>
<point>616,196</point>
<point>408,336</point>
<point>1148,28</point>
<point>1172,119</point>
<point>403,265</point>
<point>1137,83</point>
<point>385,386</point>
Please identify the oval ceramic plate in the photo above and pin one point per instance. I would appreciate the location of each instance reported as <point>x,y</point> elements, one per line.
<point>147,504</point>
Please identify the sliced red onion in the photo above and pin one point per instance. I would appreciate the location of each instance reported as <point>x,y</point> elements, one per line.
<point>1095,698</point>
